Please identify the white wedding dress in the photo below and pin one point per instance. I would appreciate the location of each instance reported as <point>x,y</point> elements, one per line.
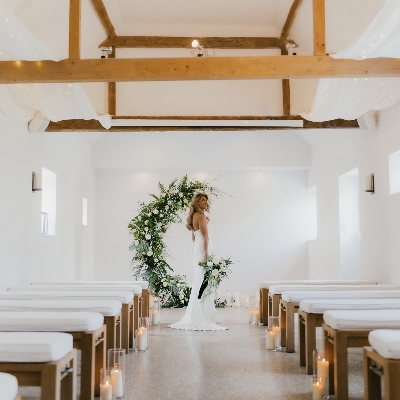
<point>200,314</point>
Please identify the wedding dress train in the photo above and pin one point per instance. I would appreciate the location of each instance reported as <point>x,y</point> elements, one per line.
<point>200,314</point>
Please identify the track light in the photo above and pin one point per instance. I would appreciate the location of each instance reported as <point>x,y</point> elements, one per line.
<point>199,47</point>
<point>106,50</point>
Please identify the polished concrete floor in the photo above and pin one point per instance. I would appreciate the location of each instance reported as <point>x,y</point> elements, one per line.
<point>230,364</point>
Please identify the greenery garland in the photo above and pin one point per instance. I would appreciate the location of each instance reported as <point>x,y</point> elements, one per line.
<point>148,229</point>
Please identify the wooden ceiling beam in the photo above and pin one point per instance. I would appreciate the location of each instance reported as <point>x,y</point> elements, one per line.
<point>74,29</point>
<point>319,27</point>
<point>104,18</point>
<point>181,69</point>
<point>290,19</point>
<point>172,42</point>
<point>95,126</point>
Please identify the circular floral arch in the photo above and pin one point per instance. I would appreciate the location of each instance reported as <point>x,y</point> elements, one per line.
<point>148,229</point>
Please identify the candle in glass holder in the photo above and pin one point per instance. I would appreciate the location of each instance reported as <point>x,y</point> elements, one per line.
<point>277,331</point>
<point>317,390</point>
<point>323,371</point>
<point>141,344</point>
<point>117,382</point>
<point>237,299</point>
<point>256,318</point>
<point>228,298</point>
<point>155,315</point>
<point>251,316</point>
<point>107,390</point>
<point>270,340</point>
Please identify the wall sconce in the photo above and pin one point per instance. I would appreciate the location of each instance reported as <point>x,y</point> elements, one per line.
<point>370,184</point>
<point>36,182</point>
<point>291,48</point>
<point>106,50</point>
<point>196,45</point>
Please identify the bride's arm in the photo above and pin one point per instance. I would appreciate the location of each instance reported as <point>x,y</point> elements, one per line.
<point>192,236</point>
<point>204,231</point>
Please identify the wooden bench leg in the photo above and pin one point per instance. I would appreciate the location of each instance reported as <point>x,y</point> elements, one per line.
<point>68,383</point>
<point>282,315</point>
<point>125,317</point>
<point>340,368</point>
<point>302,326</point>
<point>264,317</point>
<point>329,356</point>
<point>145,303</point>
<point>372,381</point>
<point>51,382</point>
<point>134,321</point>
<point>112,331</point>
<point>290,311</point>
<point>310,340</point>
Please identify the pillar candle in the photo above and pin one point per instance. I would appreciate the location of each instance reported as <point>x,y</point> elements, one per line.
<point>237,299</point>
<point>317,391</point>
<point>107,390</point>
<point>323,371</point>
<point>251,316</point>
<point>277,331</point>
<point>155,317</point>
<point>270,340</point>
<point>144,329</point>
<point>256,318</point>
<point>228,299</point>
<point>117,382</point>
<point>141,339</point>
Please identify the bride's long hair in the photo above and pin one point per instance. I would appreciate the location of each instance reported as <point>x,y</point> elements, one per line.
<point>194,207</point>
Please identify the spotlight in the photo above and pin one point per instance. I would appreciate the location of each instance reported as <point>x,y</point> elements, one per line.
<point>291,48</point>
<point>199,47</point>
<point>106,50</point>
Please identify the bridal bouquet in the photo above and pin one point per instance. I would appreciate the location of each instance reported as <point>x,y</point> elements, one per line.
<point>215,269</point>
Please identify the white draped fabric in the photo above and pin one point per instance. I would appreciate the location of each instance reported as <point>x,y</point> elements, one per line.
<point>349,98</point>
<point>20,102</point>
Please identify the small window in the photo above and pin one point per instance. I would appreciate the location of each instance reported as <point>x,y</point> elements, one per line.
<point>84,213</point>
<point>394,172</point>
<point>48,219</point>
<point>312,213</point>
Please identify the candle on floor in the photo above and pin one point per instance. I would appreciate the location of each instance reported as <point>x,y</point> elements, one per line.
<point>323,371</point>
<point>270,340</point>
<point>117,382</point>
<point>228,299</point>
<point>155,317</point>
<point>106,390</point>
<point>141,340</point>
<point>256,318</point>
<point>251,316</point>
<point>277,331</point>
<point>317,391</point>
<point>237,299</point>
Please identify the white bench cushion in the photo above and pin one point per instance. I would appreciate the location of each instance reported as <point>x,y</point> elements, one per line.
<point>267,284</point>
<point>135,289</point>
<point>296,297</point>
<point>8,386</point>
<point>319,306</point>
<point>279,289</point>
<point>143,284</point>
<point>28,347</point>
<point>108,308</point>
<point>362,319</point>
<point>123,297</point>
<point>386,342</point>
<point>50,321</point>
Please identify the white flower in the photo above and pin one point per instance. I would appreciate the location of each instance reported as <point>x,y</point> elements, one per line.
<point>146,222</point>
<point>146,228</point>
<point>223,268</point>
<point>180,194</point>
<point>216,260</point>
<point>149,253</point>
<point>136,242</point>
<point>209,264</point>
<point>165,284</point>
<point>161,215</point>
<point>148,237</point>
<point>215,272</point>
<point>181,296</point>
<point>155,211</point>
<point>167,207</point>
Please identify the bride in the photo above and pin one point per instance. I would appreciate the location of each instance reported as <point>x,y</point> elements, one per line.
<point>200,314</point>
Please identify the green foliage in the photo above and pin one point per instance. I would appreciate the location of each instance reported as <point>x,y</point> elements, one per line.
<point>148,229</point>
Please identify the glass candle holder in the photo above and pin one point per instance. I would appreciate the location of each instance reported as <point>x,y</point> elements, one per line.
<point>116,366</point>
<point>140,340</point>
<point>106,387</point>
<point>144,324</point>
<point>275,326</point>
<point>323,374</point>
<point>317,389</point>
<point>155,316</point>
<point>256,317</point>
<point>251,315</point>
<point>270,339</point>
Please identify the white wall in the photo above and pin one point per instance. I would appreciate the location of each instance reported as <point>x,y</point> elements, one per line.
<point>25,254</point>
<point>333,154</point>
<point>262,227</point>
